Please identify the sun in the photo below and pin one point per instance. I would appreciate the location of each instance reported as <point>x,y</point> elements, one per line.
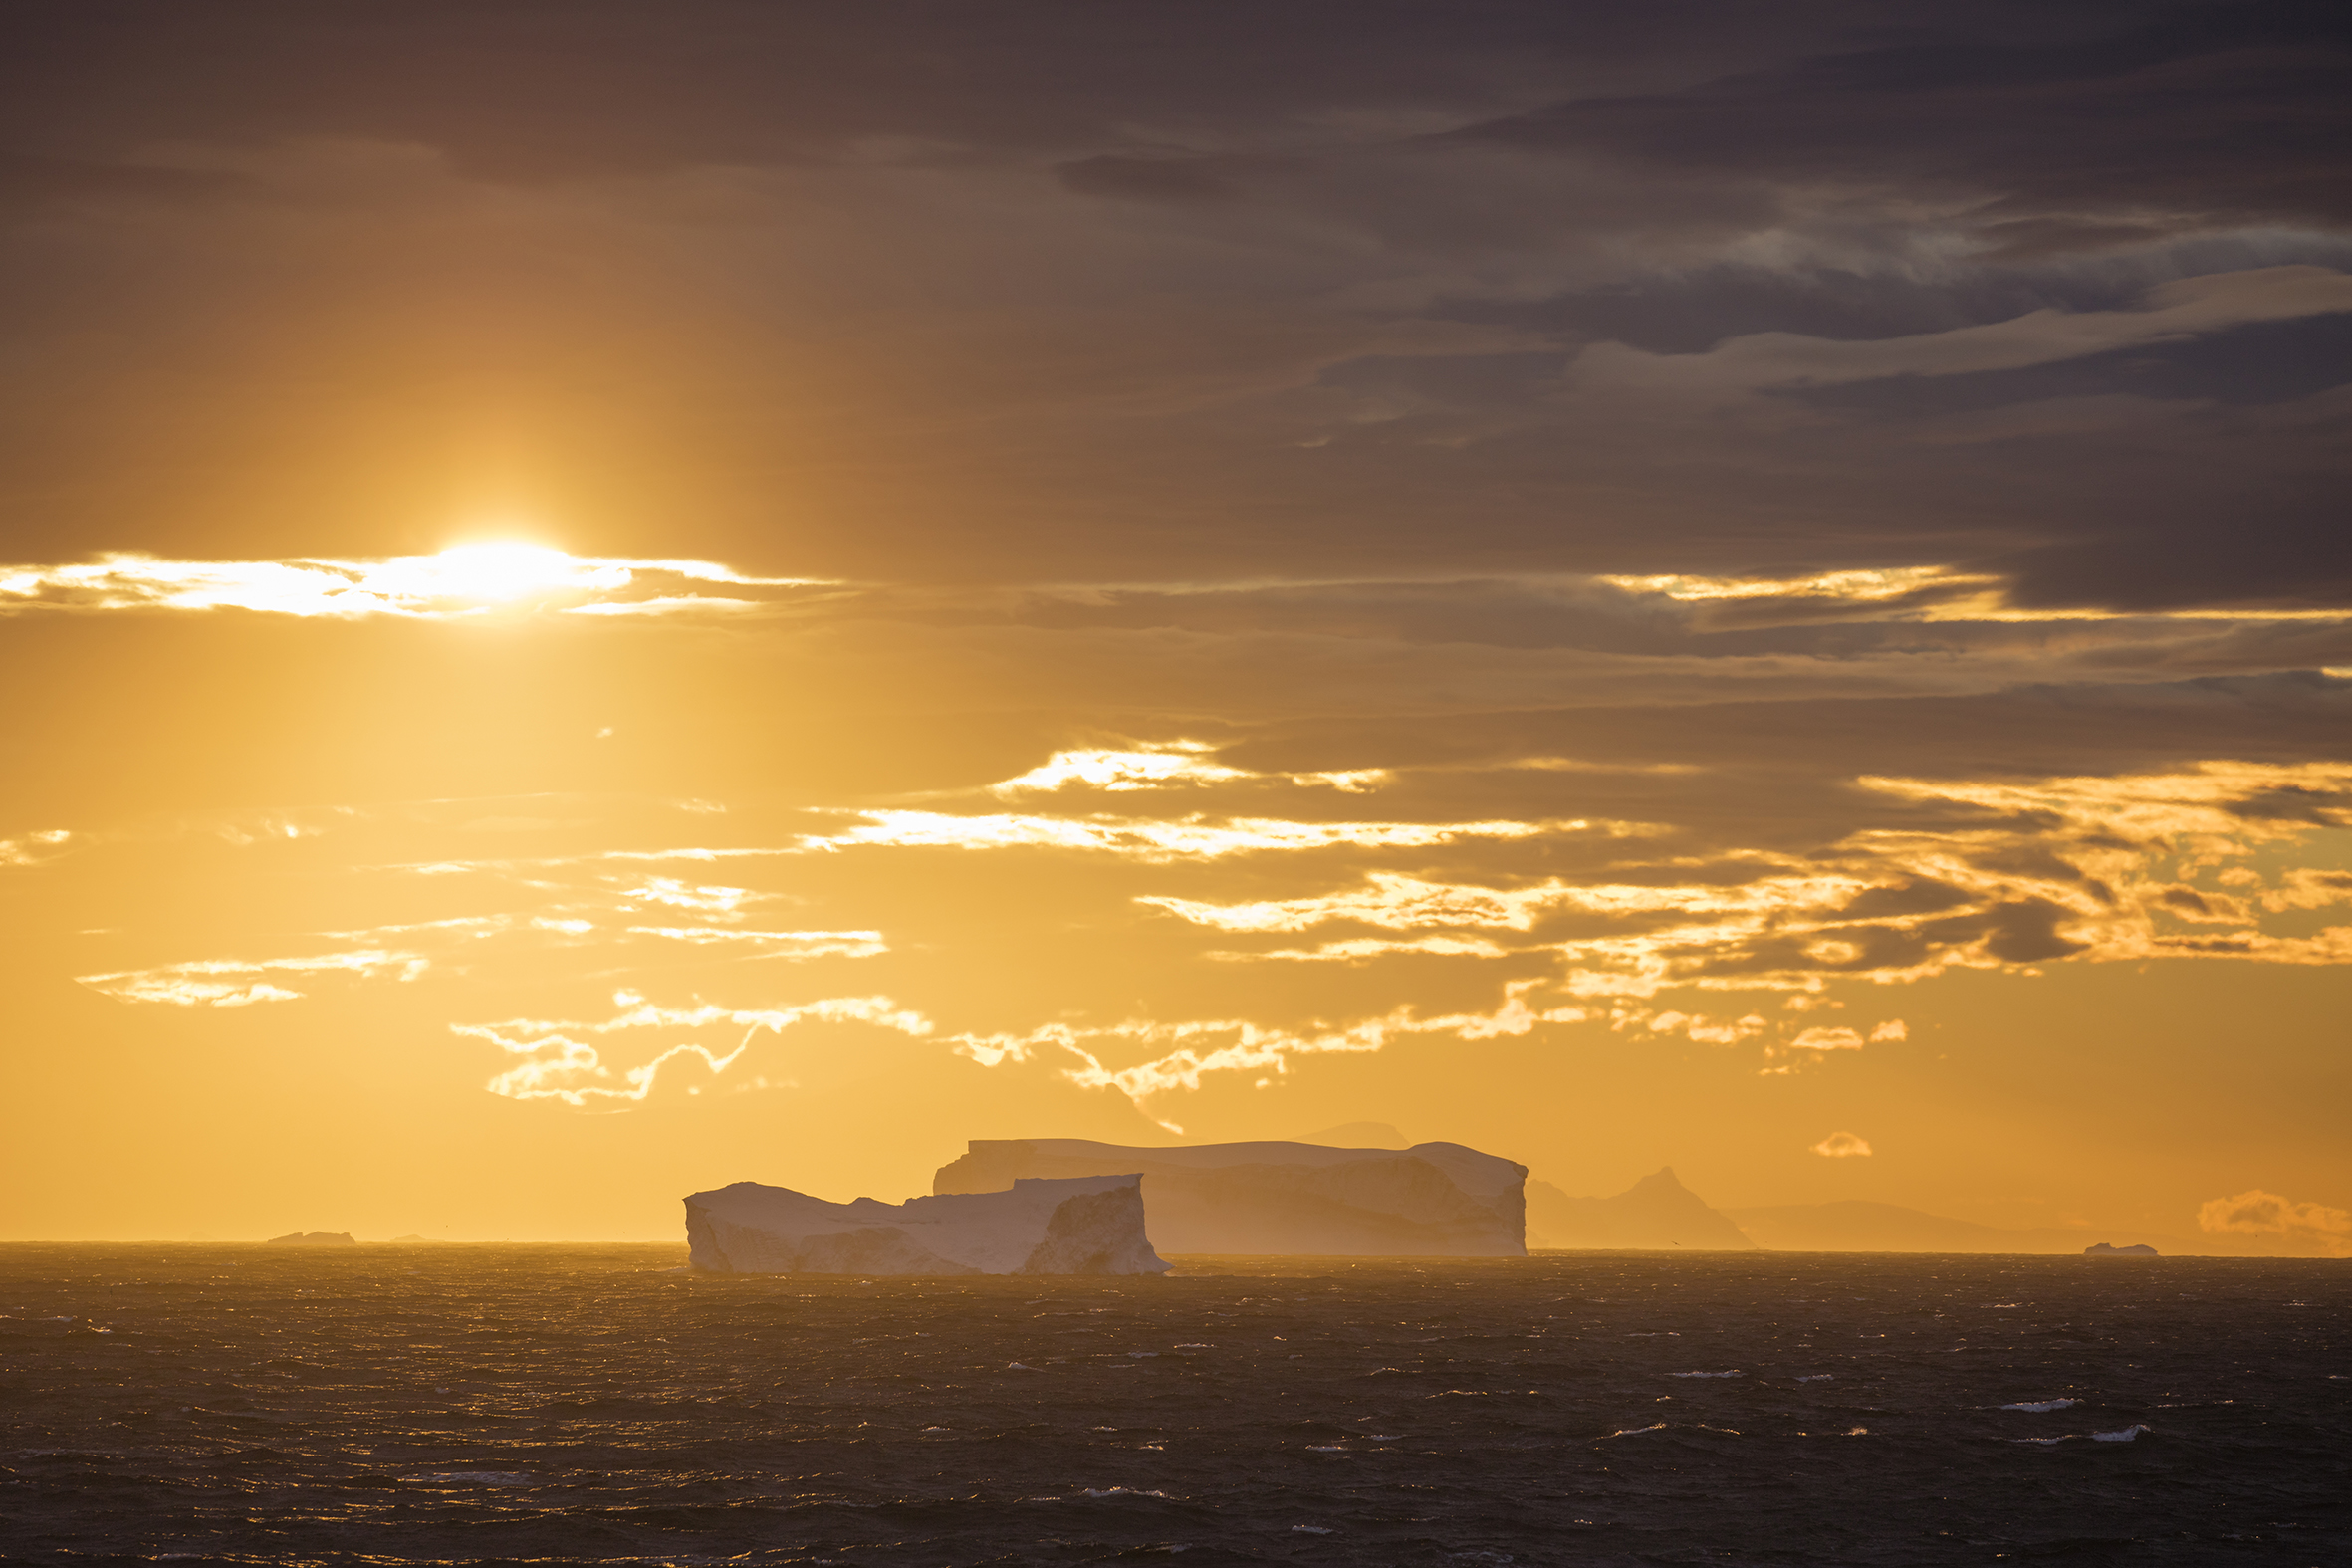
<point>498,571</point>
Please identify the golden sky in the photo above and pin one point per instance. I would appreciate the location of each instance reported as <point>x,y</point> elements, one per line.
<point>594,610</point>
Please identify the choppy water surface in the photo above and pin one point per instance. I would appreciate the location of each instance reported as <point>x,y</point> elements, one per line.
<point>454,1404</point>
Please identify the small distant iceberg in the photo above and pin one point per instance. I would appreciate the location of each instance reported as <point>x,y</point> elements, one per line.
<point>313,1238</point>
<point>1043,1226</point>
<point>2103,1250</point>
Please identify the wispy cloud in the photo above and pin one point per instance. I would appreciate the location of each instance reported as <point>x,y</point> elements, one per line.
<point>559,1065</point>
<point>1146,838</point>
<point>2012,874</point>
<point>2112,870</point>
<point>238,983</point>
<point>1193,1050</point>
<point>463,581</point>
<point>1162,765</point>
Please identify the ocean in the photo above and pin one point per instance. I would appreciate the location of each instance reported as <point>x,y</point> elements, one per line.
<point>460,1404</point>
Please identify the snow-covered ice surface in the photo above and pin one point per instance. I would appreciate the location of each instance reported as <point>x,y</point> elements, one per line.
<point>1084,1226</point>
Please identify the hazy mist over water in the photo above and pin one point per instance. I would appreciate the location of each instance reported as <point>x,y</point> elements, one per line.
<point>461,1404</point>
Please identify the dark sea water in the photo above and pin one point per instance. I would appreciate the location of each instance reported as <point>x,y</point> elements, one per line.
<point>465,1404</point>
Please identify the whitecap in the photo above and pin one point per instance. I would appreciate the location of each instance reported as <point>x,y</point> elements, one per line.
<point>1124,1491</point>
<point>1142,1354</point>
<point>1313,1529</point>
<point>1819,1377</point>
<point>2042,1405</point>
<point>1628,1432</point>
<point>476,1478</point>
<point>2125,1434</point>
<point>1327,1448</point>
<point>1732,1374</point>
<point>1019,1366</point>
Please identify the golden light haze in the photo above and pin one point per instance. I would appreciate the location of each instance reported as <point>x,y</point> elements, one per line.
<point>588,618</point>
<point>550,912</point>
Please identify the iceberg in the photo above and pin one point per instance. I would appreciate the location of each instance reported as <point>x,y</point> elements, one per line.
<point>1433,1200</point>
<point>1084,1226</point>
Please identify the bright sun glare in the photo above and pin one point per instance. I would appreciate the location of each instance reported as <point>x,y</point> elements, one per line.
<point>495,571</point>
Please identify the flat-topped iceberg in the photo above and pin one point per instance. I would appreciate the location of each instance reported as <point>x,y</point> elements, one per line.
<point>1084,1226</point>
<point>1434,1200</point>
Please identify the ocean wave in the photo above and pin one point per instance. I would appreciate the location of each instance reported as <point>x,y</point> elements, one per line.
<point>1732,1374</point>
<point>2120,1434</point>
<point>2044,1406</point>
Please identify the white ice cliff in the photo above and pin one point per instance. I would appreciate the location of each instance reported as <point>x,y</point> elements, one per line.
<point>1088,1225</point>
<point>1434,1200</point>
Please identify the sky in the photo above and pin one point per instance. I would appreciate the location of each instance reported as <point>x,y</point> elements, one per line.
<point>600,601</point>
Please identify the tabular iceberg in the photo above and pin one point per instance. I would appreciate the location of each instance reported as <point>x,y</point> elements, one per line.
<point>1088,1225</point>
<point>1434,1200</point>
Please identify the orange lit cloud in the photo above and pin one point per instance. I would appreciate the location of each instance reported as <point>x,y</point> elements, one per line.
<point>2261,1214</point>
<point>1191,1050</point>
<point>1144,839</point>
<point>234,983</point>
<point>556,1065</point>
<point>1173,763</point>
<point>1995,875</point>
<point>464,580</point>
<point>1843,1146</point>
